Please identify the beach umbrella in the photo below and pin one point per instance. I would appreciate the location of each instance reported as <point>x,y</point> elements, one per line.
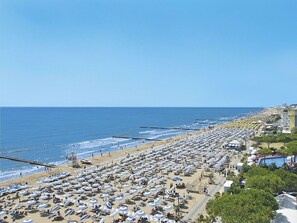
<point>95,185</point>
<point>104,195</point>
<point>139,187</point>
<point>125,186</point>
<point>77,186</point>
<point>88,188</point>
<point>33,195</point>
<point>113,214</point>
<point>82,207</point>
<point>177,179</point>
<point>123,208</point>
<point>84,183</point>
<point>132,191</point>
<point>43,205</point>
<point>93,201</point>
<point>129,219</point>
<point>66,184</point>
<point>152,204</point>
<point>107,186</point>
<point>24,192</point>
<point>119,198</point>
<point>80,191</point>
<point>140,213</point>
<point>167,208</point>
<point>158,216</point>
<point>147,193</point>
<point>44,197</point>
<point>31,202</point>
<point>153,189</point>
<point>28,221</point>
<point>158,186</point>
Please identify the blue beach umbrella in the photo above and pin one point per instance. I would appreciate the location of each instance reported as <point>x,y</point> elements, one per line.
<point>177,179</point>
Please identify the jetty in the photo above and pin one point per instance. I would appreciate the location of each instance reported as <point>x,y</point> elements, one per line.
<point>135,138</point>
<point>168,128</point>
<point>27,161</point>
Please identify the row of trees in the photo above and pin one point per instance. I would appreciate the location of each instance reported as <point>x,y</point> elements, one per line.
<point>254,201</point>
<point>248,206</point>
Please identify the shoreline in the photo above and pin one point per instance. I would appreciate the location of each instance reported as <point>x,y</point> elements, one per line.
<point>136,178</point>
<point>97,159</point>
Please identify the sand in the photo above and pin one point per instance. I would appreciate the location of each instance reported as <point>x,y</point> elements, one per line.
<point>199,177</point>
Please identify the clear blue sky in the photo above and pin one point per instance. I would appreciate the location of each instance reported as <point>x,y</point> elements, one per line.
<point>148,53</point>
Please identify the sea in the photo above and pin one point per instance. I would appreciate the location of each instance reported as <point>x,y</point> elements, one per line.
<point>50,134</point>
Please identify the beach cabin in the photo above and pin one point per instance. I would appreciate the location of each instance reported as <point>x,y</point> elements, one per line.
<point>239,166</point>
<point>72,160</point>
<point>234,144</point>
<point>227,185</point>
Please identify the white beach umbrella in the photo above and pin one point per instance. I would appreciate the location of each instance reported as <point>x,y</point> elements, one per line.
<point>43,205</point>
<point>88,188</point>
<point>152,204</point>
<point>80,191</point>
<point>147,193</point>
<point>119,198</point>
<point>153,189</point>
<point>93,201</point>
<point>123,208</point>
<point>140,213</point>
<point>31,202</point>
<point>33,195</point>
<point>132,191</point>
<point>82,207</point>
<point>139,187</point>
<point>167,208</point>
<point>158,216</point>
<point>28,221</point>
<point>129,219</point>
<point>95,185</point>
<point>44,197</point>
<point>104,195</point>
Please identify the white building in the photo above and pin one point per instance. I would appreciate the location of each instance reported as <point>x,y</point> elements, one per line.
<point>227,185</point>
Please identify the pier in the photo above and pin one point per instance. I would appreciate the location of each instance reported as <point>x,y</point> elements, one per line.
<point>168,128</point>
<point>135,138</point>
<point>27,161</point>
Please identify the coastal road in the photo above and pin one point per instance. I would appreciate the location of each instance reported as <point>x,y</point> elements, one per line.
<point>200,205</point>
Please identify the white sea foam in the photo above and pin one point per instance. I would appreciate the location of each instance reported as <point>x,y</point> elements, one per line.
<point>97,143</point>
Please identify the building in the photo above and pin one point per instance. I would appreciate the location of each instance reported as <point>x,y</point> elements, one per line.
<point>287,209</point>
<point>293,118</point>
<point>285,118</point>
<point>227,185</point>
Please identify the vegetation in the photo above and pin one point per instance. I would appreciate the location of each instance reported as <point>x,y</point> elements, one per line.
<point>273,119</point>
<point>251,197</point>
<point>253,201</point>
<point>292,148</point>
<point>294,130</point>
<point>248,206</point>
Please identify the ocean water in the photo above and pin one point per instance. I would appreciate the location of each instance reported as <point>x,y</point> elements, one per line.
<point>49,134</point>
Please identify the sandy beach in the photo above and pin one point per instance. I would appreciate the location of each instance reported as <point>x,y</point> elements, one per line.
<point>155,182</point>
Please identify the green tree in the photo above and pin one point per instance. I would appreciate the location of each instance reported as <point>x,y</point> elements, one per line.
<point>290,179</point>
<point>292,148</point>
<point>264,152</point>
<point>249,206</point>
<point>294,130</point>
<point>269,183</point>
